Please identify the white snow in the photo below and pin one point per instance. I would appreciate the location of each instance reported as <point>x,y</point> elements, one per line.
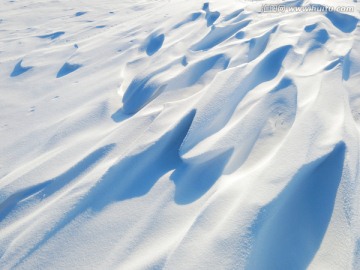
<point>174,134</point>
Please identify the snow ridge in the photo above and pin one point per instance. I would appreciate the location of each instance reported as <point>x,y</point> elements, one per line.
<point>178,134</point>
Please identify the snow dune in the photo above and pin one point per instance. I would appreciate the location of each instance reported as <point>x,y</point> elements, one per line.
<point>178,134</point>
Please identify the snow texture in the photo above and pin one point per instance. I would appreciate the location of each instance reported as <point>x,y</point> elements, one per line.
<point>173,134</point>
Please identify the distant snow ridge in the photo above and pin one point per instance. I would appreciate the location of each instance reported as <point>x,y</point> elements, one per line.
<point>232,141</point>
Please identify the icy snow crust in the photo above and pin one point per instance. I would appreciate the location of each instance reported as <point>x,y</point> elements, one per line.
<point>178,135</point>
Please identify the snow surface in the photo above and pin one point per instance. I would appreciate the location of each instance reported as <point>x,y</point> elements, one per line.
<point>176,134</point>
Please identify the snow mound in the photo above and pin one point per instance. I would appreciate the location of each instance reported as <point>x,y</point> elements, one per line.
<point>179,134</point>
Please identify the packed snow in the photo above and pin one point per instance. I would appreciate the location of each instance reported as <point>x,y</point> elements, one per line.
<point>174,134</point>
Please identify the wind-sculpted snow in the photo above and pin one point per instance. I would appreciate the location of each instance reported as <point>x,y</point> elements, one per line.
<point>179,135</point>
<point>19,69</point>
<point>307,202</point>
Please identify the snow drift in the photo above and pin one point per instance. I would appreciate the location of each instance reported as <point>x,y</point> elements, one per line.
<point>178,135</point>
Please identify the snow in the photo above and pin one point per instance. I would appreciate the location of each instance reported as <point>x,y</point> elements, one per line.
<point>173,134</point>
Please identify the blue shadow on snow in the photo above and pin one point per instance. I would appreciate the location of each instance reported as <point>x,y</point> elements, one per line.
<point>53,35</point>
<point>19,69</point>
<point>66,69</point>
<point>289,230</point>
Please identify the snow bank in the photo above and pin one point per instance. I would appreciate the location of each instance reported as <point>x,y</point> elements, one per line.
<point>178,134</point>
